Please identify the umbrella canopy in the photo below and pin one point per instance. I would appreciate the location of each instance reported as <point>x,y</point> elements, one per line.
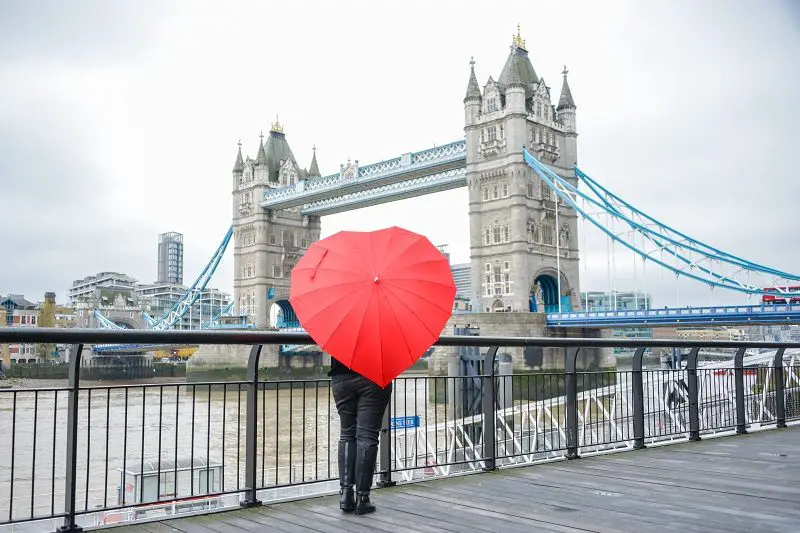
<point>376,301</point>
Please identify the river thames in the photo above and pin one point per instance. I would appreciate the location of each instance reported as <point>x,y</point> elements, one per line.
<point>126,426</point>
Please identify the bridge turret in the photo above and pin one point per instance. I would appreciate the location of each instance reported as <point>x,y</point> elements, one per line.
<point>566,115</point>
<point>261,170</point>
<point>313,170</point>
<point>566,105</point>
<point>472,100</point>
<point>238,167</point>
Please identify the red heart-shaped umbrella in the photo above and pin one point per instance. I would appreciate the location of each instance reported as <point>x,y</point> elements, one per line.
<point>373,300</point>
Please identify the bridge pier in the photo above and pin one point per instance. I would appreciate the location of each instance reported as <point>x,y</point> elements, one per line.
<point>521,325</point>
<point>228,362</point>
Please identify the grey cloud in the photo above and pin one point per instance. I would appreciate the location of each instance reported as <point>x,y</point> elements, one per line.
<point>50,187</point>
<point>77,31</point>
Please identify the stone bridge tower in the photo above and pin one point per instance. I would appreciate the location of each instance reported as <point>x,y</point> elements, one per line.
<point>267,244</point>
<point>512,212</point>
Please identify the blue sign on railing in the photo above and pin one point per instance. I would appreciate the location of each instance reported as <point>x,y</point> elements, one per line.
<point>404,422</point>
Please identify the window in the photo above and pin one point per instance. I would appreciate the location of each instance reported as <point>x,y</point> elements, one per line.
<point>547,192</point>
<point>547,235</point>
<point>507,287</point>
<point>530,189</point>
<point>485,193</point>
<point>276,271</point>
<point>491,134</point>
<point>272,238</point>
<point>506,265</point>
<point>506,234</point>
<point>494,193</point>
<point>496,234</point>
<point>488,266</point>
<point>305,243</point>
<point>491,105</point>
<point>487,239</point>
<point>288,238</point>
<point>497,275</point>
<point>505,190</point>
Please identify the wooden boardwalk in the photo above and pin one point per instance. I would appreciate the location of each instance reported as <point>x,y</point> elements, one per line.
<point>743,483</point>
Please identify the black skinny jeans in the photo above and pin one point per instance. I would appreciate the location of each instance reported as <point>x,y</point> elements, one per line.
<point>361,404</point>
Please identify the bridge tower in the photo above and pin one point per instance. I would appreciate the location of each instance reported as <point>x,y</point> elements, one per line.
<point>268,243</point>
<point>513,219</point>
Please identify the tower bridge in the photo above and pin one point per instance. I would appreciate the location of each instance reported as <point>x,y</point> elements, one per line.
<point>518,159</point>
<point>521,236</point>
<point>529,202</point>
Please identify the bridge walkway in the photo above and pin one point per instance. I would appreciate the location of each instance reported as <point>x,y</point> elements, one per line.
<point>736,483</point>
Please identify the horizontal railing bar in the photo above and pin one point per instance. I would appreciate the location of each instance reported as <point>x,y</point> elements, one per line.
<point>105,336</point>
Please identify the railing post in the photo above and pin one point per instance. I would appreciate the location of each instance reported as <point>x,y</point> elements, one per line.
<point>571,392</point>
<point>71,467</point>
<point>488,408</point>
<point>251,428</point>
<point>385,449</point>
<point>738,378</point>
<point>780,400</point>
<point>638,399</point>
<point>694,396</point>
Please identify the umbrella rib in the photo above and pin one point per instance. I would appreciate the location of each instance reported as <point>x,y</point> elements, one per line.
<point>344,316</point>
<point>447,285</point>
<point>413,313</point>
<point>331,304</point>
<point>416,294</point>
<point>405,340</point>
<point>389,259</point>
<point>394,268</point>
<point>353,251</point>
<point>328,287</point>
<point>361,327</point>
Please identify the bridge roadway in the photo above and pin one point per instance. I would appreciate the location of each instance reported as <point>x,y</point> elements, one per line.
<point>730,315</point>
<point>736,483</point>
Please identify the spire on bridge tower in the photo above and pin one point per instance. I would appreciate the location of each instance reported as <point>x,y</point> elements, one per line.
<point>517,40</point>
<point>313,170</point>
<point>261,158</point>
<point>473,89</point>
<point>565,101</point>
<point>239,165</point>
<point>276,126</point>
<point>566,112</point>
<point>518,65</point>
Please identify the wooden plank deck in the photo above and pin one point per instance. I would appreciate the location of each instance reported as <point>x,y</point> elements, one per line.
<point>742,483</point>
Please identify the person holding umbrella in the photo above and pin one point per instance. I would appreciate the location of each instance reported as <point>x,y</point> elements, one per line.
<point>360,404</point>
<point>375,301</point>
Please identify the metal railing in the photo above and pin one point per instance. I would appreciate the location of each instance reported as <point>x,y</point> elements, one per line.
<point>192,447</point>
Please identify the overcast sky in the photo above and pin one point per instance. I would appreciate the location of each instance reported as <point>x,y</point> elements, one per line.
<point>119,120</point>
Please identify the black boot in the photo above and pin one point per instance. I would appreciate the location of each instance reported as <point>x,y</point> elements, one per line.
<point>365,468</point>
<point>347,475</point>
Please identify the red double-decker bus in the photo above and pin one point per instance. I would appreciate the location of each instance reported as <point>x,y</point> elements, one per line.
<point>775,300</point>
